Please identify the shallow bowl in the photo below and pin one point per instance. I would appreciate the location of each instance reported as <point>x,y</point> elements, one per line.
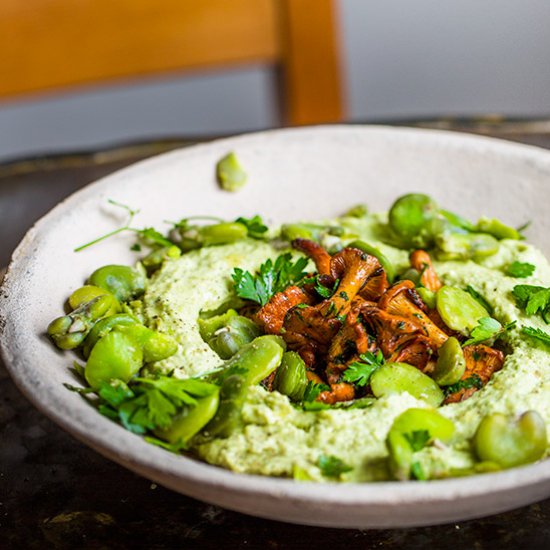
<point>293,174</point>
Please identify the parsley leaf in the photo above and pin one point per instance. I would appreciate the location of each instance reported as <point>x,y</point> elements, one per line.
<point>313,390</point>
<point>359,372</point>
<point>537,334</point>
<point>533,299</point>
<point>520,270</point>
<point>417,472</point>
<point>255,226</point>
<point>332,466</point>
<point>480,298</point>
<point>152,237</point>
<point>270,279</point>
<point>418,439</point>
<point>320,288</point>
<point>487,329</point>
<point>473,381</point>
<point>146,404</point>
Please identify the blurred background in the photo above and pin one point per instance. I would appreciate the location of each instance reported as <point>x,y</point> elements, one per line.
<point>77,75</point>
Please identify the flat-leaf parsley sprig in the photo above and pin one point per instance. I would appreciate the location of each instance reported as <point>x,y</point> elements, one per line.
<point>488,329</point>
<point>272,277</point>
<point>360,372</point>
<point>533,300</point>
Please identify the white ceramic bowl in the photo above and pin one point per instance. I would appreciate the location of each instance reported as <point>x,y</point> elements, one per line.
<point>293,174</point>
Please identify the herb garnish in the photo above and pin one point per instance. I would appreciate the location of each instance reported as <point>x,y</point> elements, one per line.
<point>473,381</point>
<point>537,333</point>
<point>270,279</point>
<point>520,270</point>
<point>480,298</point>
<point>533,299</point>
<point>313,390</point>
<point>332,466</point>
<point>255,226</point>
<point>487,329</point>
<point>148,234</point>
<point>146,404</point>
<point>360,372</point>
<point>418,439</point>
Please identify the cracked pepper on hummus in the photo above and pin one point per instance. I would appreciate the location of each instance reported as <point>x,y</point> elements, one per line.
<point>407,345</point>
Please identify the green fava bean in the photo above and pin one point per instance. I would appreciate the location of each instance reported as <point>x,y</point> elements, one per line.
<point>410,217</point>
<point>228,416</point>
<point>402,433</point>
<point>312,232</point>
<point>416,419</point>
<point>87,293</point>
<point>401,377</point>
<point>291,379</point>
<point>458,309</point>
<point>497,229</point>
<point>411,275</point>
<point>255,361</point>
<point>400,455</point>
<point>468,246</point>
<point>122,281</point>
<point>230,173</point>
<point>103,327</point>
<point>222,233</point>
<point>510,441</point>
<point>156,346</point>
<point>451,363</point>
<point>373,251</point>
<point>357,211</point>
<point>227,333</point>
<point>428,297</point>
<point>191,420</point>
<point>115,356</point>
<point>69,331</point>
<point>155,259</point>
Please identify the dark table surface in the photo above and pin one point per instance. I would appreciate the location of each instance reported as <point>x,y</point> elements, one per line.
<point>57,493</point>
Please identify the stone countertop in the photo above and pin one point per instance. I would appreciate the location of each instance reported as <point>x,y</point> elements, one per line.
<point>57,493</point>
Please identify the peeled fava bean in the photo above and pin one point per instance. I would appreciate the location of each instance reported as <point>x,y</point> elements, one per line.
<point>451,363</point>
<point>103,327</point>
<point>497,229</point>
<point>458,309</point>
<point>227,333</point>
<point>124,282</point>
<point>467,246</point>
<point>510,441</point>
<point>155,345</point>
<point>115,356</point>
<point>291,379</point>
<point>400,377</point>
<point>87,293</point>
<point>382,258</point>
<point>411,217</point>
<point>402,434</point>
<point>222,233</point>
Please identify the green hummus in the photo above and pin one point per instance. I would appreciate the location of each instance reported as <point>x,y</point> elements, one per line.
<point>276,438</point>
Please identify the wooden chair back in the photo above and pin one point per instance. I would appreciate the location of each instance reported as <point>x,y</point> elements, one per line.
<point>49,45</point>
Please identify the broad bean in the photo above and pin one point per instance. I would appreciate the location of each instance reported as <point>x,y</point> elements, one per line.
<point>115,356</point>
<point>451,364</point>
<point>458,309</point>
<point>290,378</point>
<point>401,377</point>
<point>124,282</point>
<point>510,441</point>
